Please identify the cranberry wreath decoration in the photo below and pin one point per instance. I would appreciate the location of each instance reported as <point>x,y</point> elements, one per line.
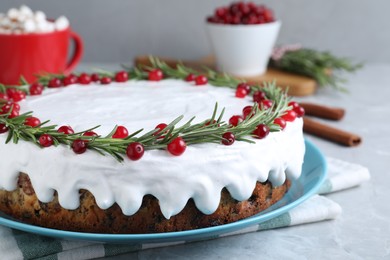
<point>270,112</point>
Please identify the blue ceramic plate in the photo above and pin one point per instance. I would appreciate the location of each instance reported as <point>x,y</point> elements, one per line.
<point>313,174</point>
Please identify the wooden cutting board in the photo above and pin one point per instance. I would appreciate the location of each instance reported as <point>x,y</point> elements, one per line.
<point>297,85</point>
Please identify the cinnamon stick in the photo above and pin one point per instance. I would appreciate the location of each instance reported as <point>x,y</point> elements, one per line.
<point>316,128</point>
<point>332,113</point>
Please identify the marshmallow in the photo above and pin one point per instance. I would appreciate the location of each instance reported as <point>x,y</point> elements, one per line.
<point>26,11</point>
<point>50,27</point>
<point>41,26</point>
<point>13,13</point>
<point>29,26</point>
<point>21,18</point>
<point>5,22</point>
<point>24,20</point>
<point>40,16</point>
<point>61,23</point>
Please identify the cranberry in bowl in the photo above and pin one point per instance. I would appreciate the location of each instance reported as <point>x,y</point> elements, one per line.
<point>242,36</point>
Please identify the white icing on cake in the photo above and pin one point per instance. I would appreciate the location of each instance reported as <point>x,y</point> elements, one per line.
<point>200,173</point>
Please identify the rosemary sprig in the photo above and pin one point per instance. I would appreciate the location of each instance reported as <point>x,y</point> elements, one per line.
<point>208,131</point>
<point>324,67</point>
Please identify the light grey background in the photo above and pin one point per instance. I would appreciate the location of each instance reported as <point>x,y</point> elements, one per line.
<point>118,30</point>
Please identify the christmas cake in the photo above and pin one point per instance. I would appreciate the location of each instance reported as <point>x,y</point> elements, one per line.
<point>211,151</point>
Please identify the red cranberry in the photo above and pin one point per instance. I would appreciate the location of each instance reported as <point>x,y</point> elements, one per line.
<point>3,96</point>
<point>242,13</point>
<point>69,80</point>
<point>65,129</point>
<point>268,15</point>
<point>90,133</point>
<point>261,131</point>
<point>79,146</point>
<point>16,106</point>
<point>160,127</point>
<point>300,111</point>
<point>3,128</point>
<point>212,19</point>
<point>235,120</point>
<point>105,80</point>
<point>244,8</point>
<point>190,77</point>
<point>245,86</point>
<point>246,111</point>
<point>235,19</point>
<point>10,91</point>
<point>18,95</point>
<point>45,140</point>
<point>14,113</point>
<point>290,116</point>
<point>84,79</point>
<point>259,10</point>
<point>8,106</point>
<point>121,76</point>
<point>120,132</point>
<point>265,104</point>
<point>228,138</point>
<point>32,121</point>
<point>281,122</point>
<point>221,12</point>
<point>95,77</point>
<point>293,104</point>
<point>234,9</point>
<point>241,93</point>
<point>11,108</point>
<point>228,19</point>
<point>177,146</point>
<point>252,6</point>
<point>201,80</point>
<point>54,83</point>
<point>36,89</point>
<point>135,151</point>
<point>155,75</point>
<point>258,96</point>
<point>252,19</point>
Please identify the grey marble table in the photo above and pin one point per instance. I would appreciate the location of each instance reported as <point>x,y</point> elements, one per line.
<point>362,231</point>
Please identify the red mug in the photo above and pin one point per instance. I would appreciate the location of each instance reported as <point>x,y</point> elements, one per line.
<point>29,55</point>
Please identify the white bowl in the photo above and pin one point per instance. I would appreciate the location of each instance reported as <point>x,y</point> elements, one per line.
<point>243,50</point>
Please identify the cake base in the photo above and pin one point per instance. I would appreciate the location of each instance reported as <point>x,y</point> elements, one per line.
<point>23,204</point>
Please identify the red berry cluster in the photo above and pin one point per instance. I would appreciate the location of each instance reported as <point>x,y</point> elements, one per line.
<point>199,79</point>
<point>177,146</point>
<point>83,79</point>
<point>11,108</point>
<point>300,111</point>
<point>242,13</point>
<point>9,102</point>
<point>134,150</point>
<point>290,115</point>
<point>260,98</point>
<point>242,90</point>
